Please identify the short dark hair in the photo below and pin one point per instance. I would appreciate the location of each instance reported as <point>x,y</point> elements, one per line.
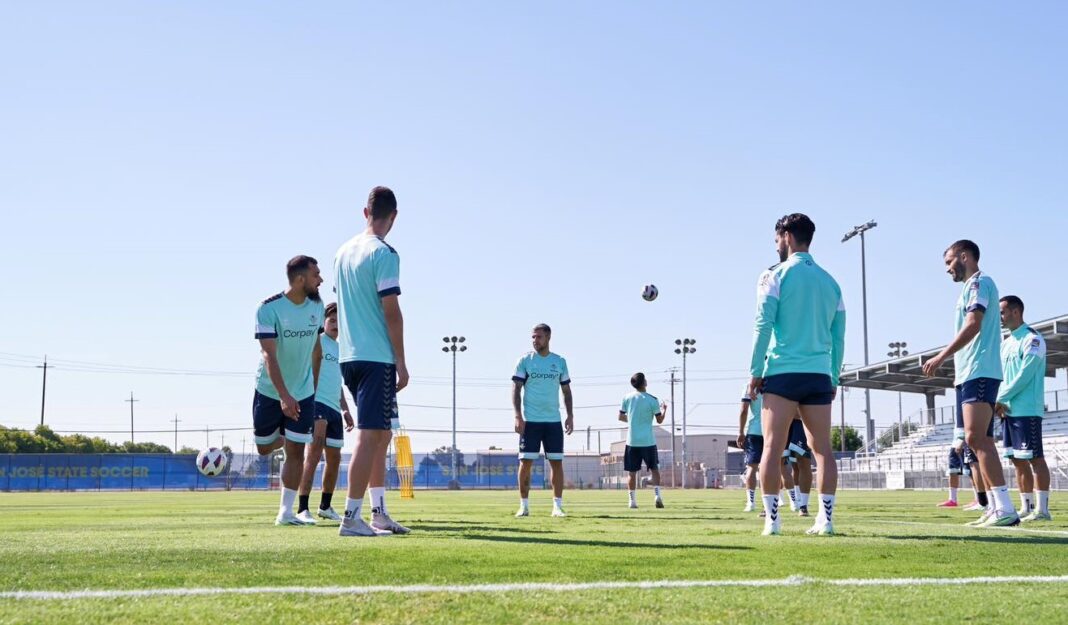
<point>799,225</point>
<point>381,203</point>
<point>964,245</point>
<point>637,380</point>
<point>298,265</point>
<point>1015,303</point>
<point>544,327</point>
<point>331,309</point>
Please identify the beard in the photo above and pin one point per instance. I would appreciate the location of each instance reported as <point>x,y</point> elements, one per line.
<point>783,255</point>
<point>314,296</point>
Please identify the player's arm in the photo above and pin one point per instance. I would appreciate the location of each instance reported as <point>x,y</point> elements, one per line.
<point>395,328</point>
<point>622,416</point>
<point>569,422</point>
<point>345,414</point>
<point>517,404</point>
<point>660,414</point>
<point>973,322</point>
<point>269,349</point>
<point>317,363</point>
<point>742,417</point>
<point>766,313</point>
<point>838,333</point>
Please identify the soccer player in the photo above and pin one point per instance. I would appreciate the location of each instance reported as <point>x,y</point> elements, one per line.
<point>801,466</point>
<point>371,352</point>
<point>977,374</point>
<point>638,411</point>
<point>536,400</point>
<point>962,461</point>
<point>1021,403</point>
<point>801,315</point>
<point>751,440</point>
<point>283,407</point>
<point>328,432</point>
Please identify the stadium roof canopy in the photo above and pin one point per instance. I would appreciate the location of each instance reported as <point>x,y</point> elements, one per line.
<point>905,374</point>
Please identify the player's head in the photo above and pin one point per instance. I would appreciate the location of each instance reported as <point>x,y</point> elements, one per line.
<point>962,259</point>
<point>330,321</point>
<point>1012,309</point>
<point>793,233</point>
<point>303,274</point>
<point>638,381</point>
<point>381,209</point>
<point>540,337</point>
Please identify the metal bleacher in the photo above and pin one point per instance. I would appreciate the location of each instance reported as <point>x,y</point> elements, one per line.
<point>927,447</point>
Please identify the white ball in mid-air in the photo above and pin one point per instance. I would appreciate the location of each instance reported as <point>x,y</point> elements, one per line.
<point>211,462</point>
<point>650,292</point>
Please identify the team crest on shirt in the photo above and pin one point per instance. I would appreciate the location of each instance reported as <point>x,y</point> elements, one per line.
<point>313,322</point>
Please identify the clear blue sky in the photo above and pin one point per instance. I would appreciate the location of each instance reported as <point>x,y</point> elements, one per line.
<point>159,163</point>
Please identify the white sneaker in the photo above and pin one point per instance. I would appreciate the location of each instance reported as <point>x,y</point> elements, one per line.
<point>288,518</point>
<point>329,514</point>
<point>749,507</point>
<point>821,529</point>
<point>306,517</point>
<point>356,527</point>
<point>383,523</point>
<point>559,512</point>
<point>633,505</point>
<point>523,511</point>
<point>793,506</point>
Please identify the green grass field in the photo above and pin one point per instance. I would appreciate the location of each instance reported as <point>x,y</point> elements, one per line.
<point>125,541</point>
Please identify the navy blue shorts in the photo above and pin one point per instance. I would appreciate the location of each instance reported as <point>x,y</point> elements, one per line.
<point>957,466</point>
<point>798,442</point>
<point>541,434</point>
<point>335,430</point>
<point>1022,437</point>
<point>269,422</point>
<point>977,391</point>
<point>807,389</point>
<point>374,386</point>
<point>633,457</point>
<point>754,448</point>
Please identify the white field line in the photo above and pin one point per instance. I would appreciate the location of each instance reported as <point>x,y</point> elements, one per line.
<point>525,587</point>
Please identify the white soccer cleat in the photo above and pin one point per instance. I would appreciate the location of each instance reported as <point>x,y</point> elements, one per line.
<point>1037,516</point>
<point>987,513</point>
<point>749,507</point>
<point>329,514</point>
<point>306,517</point>
<point>771,529</point>
<point>356,527</point>
<point>523,511</point>
<point>384,523</point>
<point>821,529</point>
<point>633,505</point>
<point>288,518</point>
<point>559,512</point>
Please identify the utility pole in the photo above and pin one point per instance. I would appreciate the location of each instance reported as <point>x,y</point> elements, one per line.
<point>175,421</point>
<point>44,384</point>
<point>131,402</point>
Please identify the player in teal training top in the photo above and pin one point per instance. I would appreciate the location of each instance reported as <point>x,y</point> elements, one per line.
<point>371,352</point>
<point>328,433</point>
<point>976,351</point>
<point>540,377</point>
<point>638,411</point>
<point>1022,404</point>
<point>287,327</point>
<point>800,331</point>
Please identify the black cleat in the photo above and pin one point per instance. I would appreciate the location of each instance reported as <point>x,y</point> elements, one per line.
<point>659,503</point>
<point>802,511</point>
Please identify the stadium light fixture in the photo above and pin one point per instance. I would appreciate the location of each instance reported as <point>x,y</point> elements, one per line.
<point>454,345</point>
<point>859,231</point>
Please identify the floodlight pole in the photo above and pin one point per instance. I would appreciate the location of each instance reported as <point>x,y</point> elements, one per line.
<point>454,344</point>
<point>685,347</point>
<point>860,230</point>
<point>897,350</point>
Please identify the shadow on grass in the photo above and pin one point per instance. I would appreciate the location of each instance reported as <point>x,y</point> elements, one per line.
<point>467,527</point>
<point>990,538</point>
<point>657,517</point>
<point>597,543</point>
